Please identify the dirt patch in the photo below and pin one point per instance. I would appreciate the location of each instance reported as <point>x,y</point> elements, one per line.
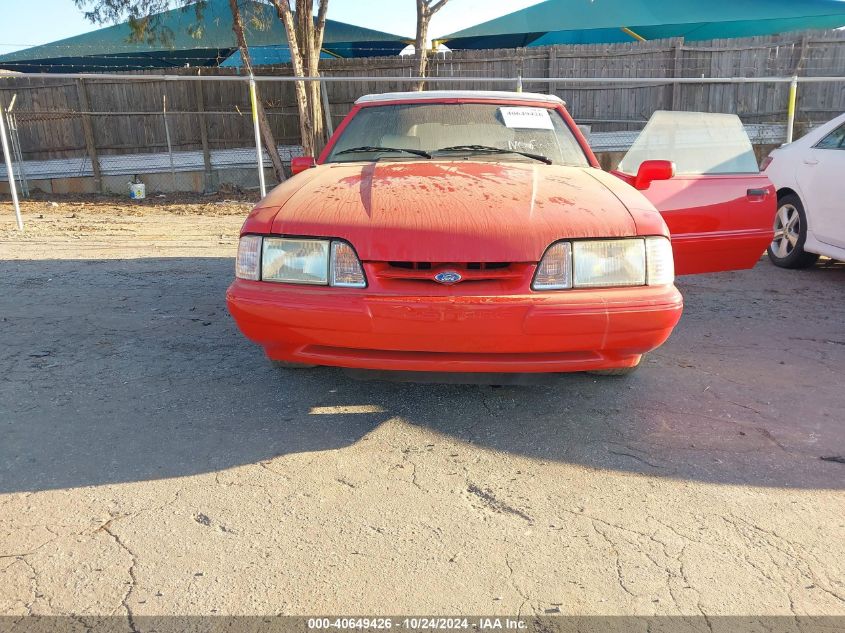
<point>116,227</point>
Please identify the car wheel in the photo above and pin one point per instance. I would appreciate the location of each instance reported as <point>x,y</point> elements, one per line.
<point>283,364</point>
<point>787,249</point>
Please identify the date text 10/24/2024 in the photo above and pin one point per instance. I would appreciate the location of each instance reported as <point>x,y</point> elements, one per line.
<point>418,623</point>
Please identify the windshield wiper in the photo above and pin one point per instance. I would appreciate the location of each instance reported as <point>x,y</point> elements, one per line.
<point>373,148</point>
<point>486,149</point>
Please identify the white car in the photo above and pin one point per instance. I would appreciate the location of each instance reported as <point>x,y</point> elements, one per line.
<point>808,175</point>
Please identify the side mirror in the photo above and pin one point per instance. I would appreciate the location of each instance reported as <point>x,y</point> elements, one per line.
<point>651,170</point>
<point>299,164</point>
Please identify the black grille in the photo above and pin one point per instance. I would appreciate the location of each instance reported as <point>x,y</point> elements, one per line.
<point>466,265</point>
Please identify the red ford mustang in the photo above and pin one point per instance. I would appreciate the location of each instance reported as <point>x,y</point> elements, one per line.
<point>475,232</point>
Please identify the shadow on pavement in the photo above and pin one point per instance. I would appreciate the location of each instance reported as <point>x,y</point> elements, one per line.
<point>130,370</point>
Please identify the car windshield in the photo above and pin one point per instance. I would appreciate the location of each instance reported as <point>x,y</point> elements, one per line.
<point>697,142</point>
<point>486,131</point>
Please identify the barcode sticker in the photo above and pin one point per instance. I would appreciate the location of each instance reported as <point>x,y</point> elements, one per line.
<point>527,118</point>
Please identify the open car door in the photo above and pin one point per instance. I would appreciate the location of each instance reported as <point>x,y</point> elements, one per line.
<point>719,208</point>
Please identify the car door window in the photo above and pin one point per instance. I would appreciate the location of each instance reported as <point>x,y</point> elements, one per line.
<point>719,210</point>
<point>699,143</point>
<point>834,140</point>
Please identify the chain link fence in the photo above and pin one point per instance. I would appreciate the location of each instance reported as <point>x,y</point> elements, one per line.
<point>192,132</point>
<point>72,136</point>
<point>78,135</point>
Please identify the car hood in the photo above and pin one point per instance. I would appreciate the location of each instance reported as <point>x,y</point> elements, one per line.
<point>451,211</point>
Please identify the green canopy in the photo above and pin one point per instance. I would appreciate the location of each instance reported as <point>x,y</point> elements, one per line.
<point>608,21</point>
<point>186,39</point>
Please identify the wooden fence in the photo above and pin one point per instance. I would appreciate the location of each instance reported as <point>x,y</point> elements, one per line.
<point>61,118</point>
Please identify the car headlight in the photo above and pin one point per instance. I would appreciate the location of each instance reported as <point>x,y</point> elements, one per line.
<point>555,269</point>
<point>606,264</point>
<point>299,261</point>
<point>295,261</point>
<point>660,261</point>
<point>345,267</point>
<point>248,263</point>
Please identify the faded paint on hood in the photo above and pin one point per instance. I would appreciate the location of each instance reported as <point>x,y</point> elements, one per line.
<point>449,211</point>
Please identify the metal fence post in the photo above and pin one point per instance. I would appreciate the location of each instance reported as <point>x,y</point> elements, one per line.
<point>790,110</point>
<point>167,138</point>
<point>203,125</point>
<point>327,115</point>
<point>17,153</point>
<point>88,132</point>
<point>10,174</point>
<point>253,100</point>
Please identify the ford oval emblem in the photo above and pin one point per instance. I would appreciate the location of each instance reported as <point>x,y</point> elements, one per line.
<point>448,277</point>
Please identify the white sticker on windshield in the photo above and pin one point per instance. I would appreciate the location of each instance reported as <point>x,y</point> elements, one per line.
<point>527,118</point>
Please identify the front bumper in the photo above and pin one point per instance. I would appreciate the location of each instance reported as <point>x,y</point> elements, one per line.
<point>573,330</point>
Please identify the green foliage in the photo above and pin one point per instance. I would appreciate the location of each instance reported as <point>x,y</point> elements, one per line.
<point>145,21</point>
<point>143,16</point>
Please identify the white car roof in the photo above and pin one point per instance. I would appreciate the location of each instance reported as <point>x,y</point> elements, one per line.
<point>435,95</point>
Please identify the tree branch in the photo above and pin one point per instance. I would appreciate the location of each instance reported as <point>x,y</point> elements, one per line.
<point>320,29</point>
<point>286,16</point>
<point>307,97</point>
<point>263,122</point>
<point>436,7</point>
<point>425,9</point>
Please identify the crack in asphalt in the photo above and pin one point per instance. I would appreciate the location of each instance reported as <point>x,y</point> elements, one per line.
<point>632,456</point>
<point>689,584</point>
<point>517,588</point>
<point>619,575</point>
<point>681,571</point>
<point>683,537</point>
<point>33,585</point>
<point>130,616</point>
<point>406,452</point>
<point>31,552</point>
<point>405,458</point>
<point>788,549</point>
<point>25,554</point>
<point>764,432</point>
<point>829,341</point>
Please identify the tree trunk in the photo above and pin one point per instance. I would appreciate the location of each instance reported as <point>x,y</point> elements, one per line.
<point>421,41</point>
<point>425,9</point>
<point>310,40</point>
<point>315,104</point>
<point>306,124</point>
<point>263,124</point>
<point>316,98</point>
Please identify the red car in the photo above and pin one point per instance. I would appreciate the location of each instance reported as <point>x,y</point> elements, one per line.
<point>475,232</point>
